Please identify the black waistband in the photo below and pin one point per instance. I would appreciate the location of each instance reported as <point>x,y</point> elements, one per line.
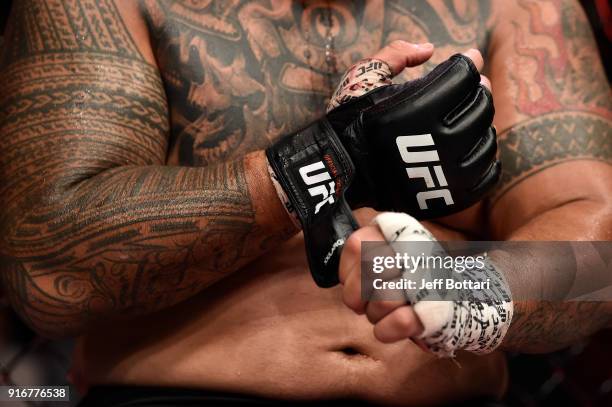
<point>133,396</point>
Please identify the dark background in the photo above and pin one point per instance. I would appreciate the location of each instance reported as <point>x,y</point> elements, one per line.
<point>579,375</point>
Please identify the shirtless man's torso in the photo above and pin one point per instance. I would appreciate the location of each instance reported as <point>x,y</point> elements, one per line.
<point>235,76</point>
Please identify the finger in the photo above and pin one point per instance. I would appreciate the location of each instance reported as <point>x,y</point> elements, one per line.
<point>421,344</point>
<point>484,81</point>
<point>351,293</point>
<point>400,324</point>
<point>476,58</point>
<point>377,310</point>
<point>350,266</point>
<point>490,179</point>
<point>472,117</point>
<point>482,155</point>
<point>350,258</point>
<point>402,54</point>
<point>451,81</point>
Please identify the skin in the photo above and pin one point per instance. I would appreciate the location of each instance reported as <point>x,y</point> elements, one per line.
<point>167,190</point>
<point>562,129</point>
<point>145,217</point>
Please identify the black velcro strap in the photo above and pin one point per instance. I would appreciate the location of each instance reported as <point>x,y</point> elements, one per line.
<point>315,170</point>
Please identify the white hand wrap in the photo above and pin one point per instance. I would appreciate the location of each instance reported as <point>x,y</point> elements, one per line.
<point>469,324</point>
<point>361,78</point>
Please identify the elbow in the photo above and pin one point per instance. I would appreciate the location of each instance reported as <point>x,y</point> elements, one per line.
<point>41,264</point>
<point>49,320</point>
<point>53,305</point>
<point>52,284</point>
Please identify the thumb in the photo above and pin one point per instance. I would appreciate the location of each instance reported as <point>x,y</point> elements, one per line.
<point>402,54</point>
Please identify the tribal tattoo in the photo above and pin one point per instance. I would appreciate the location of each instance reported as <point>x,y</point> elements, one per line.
<point>557,64</point>
<point>239,74</point>
<point>559,89</point>
<point>123,184</point>
<point>563,105</point>
<point>539,143</point>
<point>93,222</point>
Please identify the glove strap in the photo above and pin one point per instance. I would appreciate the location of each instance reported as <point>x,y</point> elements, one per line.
<point>314,169</point>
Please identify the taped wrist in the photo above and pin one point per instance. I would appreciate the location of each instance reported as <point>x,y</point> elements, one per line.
<point>477,321</point>
<point>314,170</point>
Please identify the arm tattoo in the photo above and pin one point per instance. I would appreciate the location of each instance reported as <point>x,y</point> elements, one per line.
<point>540,143</point>
<point>93,223</point>
<point>559,89</point>
<point>556,64</point>
<point>545,326</point>
<point>562,98</point>
<point>451,26</point>
<point>239,74</point>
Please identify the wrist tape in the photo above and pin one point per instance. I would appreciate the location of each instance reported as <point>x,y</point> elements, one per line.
<point>477,322</point>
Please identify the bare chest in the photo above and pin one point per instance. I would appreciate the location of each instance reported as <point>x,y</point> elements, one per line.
<point>239,74</point>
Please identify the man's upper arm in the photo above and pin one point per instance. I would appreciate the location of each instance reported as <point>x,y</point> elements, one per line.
<point>553,112</point>
<point>78,82</point>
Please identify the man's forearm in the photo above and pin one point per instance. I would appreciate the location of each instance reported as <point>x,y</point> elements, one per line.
<point>543,326</point>
<point>132,240</point>
<point>93,223</point>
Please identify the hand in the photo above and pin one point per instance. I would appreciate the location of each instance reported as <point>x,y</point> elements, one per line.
<point>476,321</point>
<point>378,71</point>
<point>452,117</point>
<point>393,320</point>
<point>365,147</point>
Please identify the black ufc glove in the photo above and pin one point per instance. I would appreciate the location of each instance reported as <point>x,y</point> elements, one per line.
<point>425,147</point>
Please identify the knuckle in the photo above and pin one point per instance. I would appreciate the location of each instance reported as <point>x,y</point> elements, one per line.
<point>372,233</point>
<point>497,170</point>
<point>347,269</point>
<point>343,272</point>
<point>487,95</point>
<point>352,247</point>
<point>397,44</point>
<point>373,312</point>
<point>382,334</point>
<point>468,71</point>
<point>494,137</point>
<point>403,319</point>
<point>378,309</point>
<point>484,102</point>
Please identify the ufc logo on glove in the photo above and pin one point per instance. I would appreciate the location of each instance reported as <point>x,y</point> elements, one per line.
<point>349,158</point>
<point>311,175</point>
<point>413,157</point>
